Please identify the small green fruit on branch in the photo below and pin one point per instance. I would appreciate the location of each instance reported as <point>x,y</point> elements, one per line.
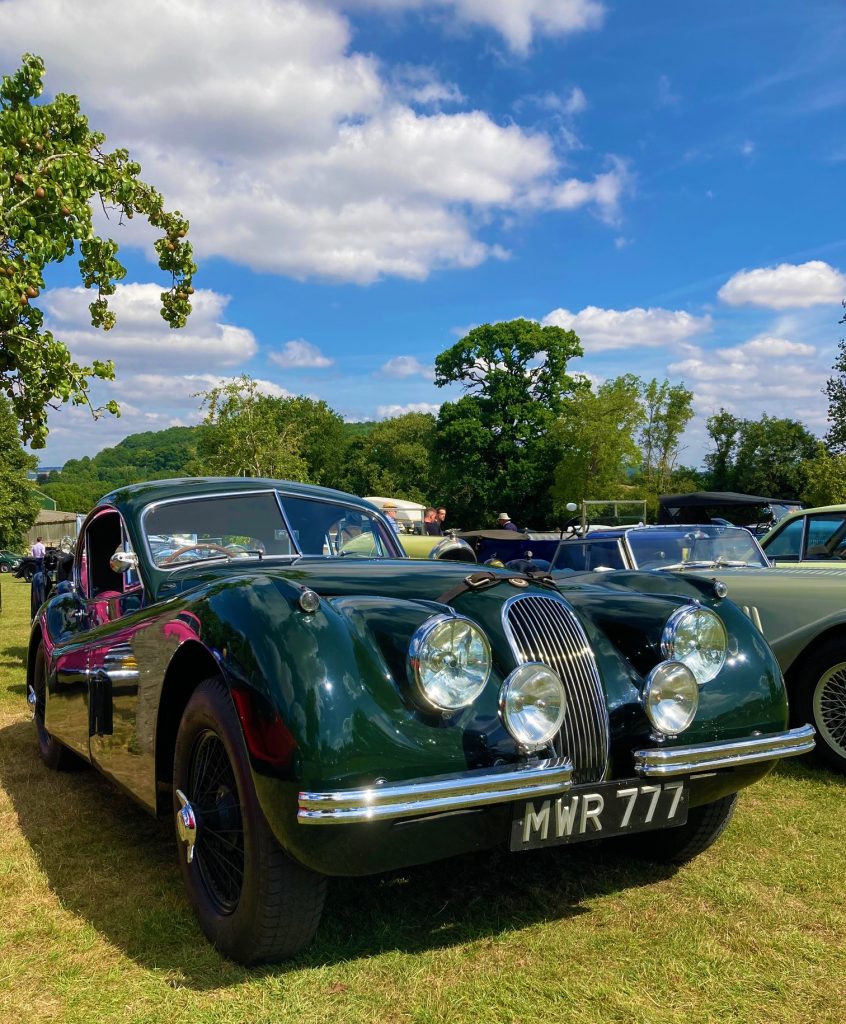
<point>53,167</point>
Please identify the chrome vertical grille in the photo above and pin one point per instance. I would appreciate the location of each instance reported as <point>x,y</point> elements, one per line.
<point>545,629</point>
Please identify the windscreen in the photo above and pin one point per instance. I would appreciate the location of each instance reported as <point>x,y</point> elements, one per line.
<point>695,545</point>
<point>252,525</point>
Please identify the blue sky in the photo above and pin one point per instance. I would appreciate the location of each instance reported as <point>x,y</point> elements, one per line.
<point>366,179</point>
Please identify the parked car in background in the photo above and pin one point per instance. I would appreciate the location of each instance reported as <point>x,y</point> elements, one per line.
<point>801,610</point>
<point>9,561</point>
<point>301,710</point>
<point>810,536</point>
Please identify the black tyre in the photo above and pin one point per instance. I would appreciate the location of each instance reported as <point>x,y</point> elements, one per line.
<point>4,566</point>
<point>252,901</point>
<point>819,697</point>
<point>54,754</point>
<point>704,827</point>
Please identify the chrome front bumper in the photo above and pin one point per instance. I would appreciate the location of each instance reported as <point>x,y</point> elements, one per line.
<point>441,793</point>
<point>662,762</point>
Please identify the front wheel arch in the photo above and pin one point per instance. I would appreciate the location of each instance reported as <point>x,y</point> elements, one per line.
<point>190,665</point>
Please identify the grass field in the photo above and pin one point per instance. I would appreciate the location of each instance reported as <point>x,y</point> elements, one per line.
<point>94,927</point>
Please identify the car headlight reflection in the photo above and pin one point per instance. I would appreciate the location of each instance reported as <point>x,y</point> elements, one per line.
<point>449,662</point>
<point>532,703</point>
<point>697,638</point>
<point>671,697</point>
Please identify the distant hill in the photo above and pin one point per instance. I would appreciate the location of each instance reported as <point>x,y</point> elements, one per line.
<point>152,455</point>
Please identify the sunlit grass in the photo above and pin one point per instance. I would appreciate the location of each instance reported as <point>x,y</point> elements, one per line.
<point>94,927</point>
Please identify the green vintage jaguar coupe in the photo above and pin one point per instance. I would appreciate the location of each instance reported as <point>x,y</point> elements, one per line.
<point>302,708</point>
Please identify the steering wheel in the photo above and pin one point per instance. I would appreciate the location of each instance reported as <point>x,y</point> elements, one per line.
<point>192,547</point>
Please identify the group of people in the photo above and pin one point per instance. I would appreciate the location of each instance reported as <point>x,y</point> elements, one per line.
<point>434,519</point>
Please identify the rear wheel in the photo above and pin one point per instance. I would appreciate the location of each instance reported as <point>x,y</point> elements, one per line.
<point>54,754</point>
<point>822,701</point>
<point>4,566</point>
<point>704,827</point>
<point>252,901</point>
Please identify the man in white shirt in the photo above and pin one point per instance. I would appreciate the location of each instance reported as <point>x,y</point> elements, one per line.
<point>38,553</point>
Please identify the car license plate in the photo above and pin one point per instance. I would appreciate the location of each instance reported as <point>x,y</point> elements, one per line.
<point>598,811</point>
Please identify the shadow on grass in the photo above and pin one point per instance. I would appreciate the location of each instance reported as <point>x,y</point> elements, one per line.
<point>14,657</point>
<point>111,864</point>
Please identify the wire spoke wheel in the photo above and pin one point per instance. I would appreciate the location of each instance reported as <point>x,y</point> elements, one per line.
<point>213,792</point>
<point>829,707</point>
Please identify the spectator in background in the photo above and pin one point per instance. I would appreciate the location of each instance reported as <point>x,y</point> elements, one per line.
<point>442,518</point>
<point>430,523</point>
<point>503,522</point>
<point>38,553</point>
<point>390,510</point>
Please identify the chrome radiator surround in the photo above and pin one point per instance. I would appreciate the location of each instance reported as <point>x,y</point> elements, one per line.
<point>546,629</point>
<point>440,793</point>
<point>662,762</point>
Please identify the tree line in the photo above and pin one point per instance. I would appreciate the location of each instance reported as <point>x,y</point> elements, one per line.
<point>525,436</point>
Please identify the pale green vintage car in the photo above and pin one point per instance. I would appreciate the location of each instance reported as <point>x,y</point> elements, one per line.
<point>810,536</point>
<point>800,610</point>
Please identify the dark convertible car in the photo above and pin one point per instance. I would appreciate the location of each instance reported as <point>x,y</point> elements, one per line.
<point>258,661</point>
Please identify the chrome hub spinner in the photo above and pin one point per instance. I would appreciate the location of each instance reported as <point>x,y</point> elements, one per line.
<point>186,825</point>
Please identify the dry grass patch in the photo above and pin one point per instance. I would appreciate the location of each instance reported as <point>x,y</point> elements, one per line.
<point>95,927</point>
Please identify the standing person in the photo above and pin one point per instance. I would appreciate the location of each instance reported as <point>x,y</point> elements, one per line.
<point>442,518</point>
<point>38,553</point>
<point>390,510</point>
<point>431,526</point>
<point>503,521</point>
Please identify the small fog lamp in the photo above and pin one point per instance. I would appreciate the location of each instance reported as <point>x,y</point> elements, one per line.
<point>532,703</point>
<point>671,697</point>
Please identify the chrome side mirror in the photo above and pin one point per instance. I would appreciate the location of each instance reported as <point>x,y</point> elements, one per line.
<point>123,561</point>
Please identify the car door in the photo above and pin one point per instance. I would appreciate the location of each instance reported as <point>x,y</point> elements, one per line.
<point>121,653</point>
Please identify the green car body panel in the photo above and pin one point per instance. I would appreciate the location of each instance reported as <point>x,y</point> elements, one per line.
<point>324,696</point>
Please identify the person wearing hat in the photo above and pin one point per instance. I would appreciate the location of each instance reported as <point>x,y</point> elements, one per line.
<point>503,521</point>
<point>390,510</point>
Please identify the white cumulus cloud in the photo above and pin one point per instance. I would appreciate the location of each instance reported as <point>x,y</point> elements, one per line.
<point>406,366</point>
<point>300,354</point>
<point>787,286</point>
<point>517,21</point>
<point>141,336</point>
<point>604,329</point>
<point>765,374</point>
<point>388,412</point>
<point>290,152</point>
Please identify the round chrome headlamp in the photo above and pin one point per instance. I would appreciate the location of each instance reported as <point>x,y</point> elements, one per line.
<point>697,638</point>
<point>449,662</point>
<point>671,697</point>
<point>532,703</point>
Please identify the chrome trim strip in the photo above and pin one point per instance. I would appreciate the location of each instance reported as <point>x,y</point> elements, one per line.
<point>459,791</point>
<point>665,761</point>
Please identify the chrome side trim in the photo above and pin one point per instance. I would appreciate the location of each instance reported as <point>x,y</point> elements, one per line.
<point>665,761</point>
<point>459,791</point>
